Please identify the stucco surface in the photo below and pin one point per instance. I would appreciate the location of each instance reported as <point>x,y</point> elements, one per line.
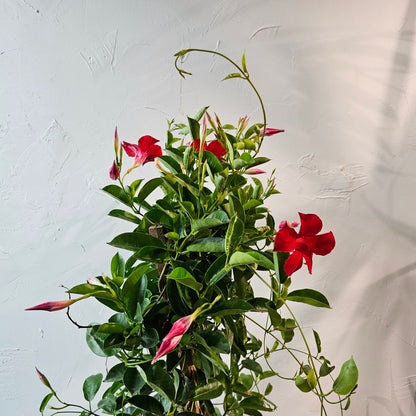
<point>339,77</point>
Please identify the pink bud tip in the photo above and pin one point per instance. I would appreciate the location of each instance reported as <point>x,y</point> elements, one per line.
<point>271,132</point>
<point>52,306</point>
<point>254,171</point>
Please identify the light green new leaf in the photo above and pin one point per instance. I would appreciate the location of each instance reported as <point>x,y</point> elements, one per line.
<point>185,278</point>
<point>207,245</point>
<point>240,258</point>
<point>347,379</point>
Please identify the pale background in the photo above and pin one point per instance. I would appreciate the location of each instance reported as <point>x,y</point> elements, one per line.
<point>339,76</point>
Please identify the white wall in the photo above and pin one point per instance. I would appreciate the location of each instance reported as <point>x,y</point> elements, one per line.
<point>338,76</point>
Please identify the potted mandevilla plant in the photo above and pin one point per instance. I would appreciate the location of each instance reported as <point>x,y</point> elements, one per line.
<point>188,334</point>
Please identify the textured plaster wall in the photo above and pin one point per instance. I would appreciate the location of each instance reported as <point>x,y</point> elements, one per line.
<point>339,76</point>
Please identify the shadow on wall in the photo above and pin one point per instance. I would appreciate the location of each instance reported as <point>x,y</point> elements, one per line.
<point>388,303</point>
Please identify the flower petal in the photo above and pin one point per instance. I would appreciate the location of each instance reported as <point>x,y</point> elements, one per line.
<point>130,149</point>
<point>293,263</point>
<point>217,148</point>
<point>310,224</point>
<point>321,244</point>
<point>285,240</point>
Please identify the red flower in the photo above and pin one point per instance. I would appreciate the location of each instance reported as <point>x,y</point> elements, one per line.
<point>144,151</point>
<point>114,171</point>
<point>304,244</point>
<point>174,336</point>
<point>214,147</point>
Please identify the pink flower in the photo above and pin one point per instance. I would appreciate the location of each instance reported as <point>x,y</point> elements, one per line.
<point>304,244</point>
<point>174,336</point>
<point>271,132</point>
<point>144,151</point>
<point>52,306</point>
<point>114,172</point>
<point>214,147</point>
<point>254,171</point>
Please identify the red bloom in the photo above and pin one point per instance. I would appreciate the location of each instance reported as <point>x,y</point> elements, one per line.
<point>144,151</point>
<point>304,244</point>
<point>174,336</point>
<point>214,147</point>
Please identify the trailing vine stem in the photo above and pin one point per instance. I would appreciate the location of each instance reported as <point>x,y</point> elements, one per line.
<point>242,70</point>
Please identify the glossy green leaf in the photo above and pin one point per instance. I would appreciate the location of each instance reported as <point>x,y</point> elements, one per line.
<point>230,307</point>
<point>252,365</point>
<point>133,380</point>
<point>147,403</point>
<point>160,381</point>
<point>108,404</point>
<point>91,386</point>
<point>325,369</point>
<point>124,215</point>
<point>347,379</point>
<point>118,193</point>
<point>118,266</point>
<point>253,403</point>
<point>170,163</point>
<point>213,162</point>
<point>95,340</point>
<point>135,241</point>
<point>147,189</point>
<point>207,245</point>
<point>216,271</point>
<point>234,234</point>
<point>185,278</point>
<point>250,257</point>
<point>212,389</point>
<point>310,297</point>
<point>44,402</point>
<point>111,328</point>
<point>116,373</point>
<point>216,341</point>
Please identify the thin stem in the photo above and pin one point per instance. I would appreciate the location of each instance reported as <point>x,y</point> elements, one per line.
<point>244,74</point>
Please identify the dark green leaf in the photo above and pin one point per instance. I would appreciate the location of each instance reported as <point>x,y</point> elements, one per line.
<point>347,378</point>
<point>193,128</point>
<point>230,307</point>
<point>310,297</point>
<point>118,267</point>
<point>91,386</point>
<point>317,341</point>
<point>116,373</point>
<point>95,341</point>
<point>135,241</point>
<point>111,328</point>
<point>133,380</point>
<point>216,271</point>
<point>325,369</point>
<point>118,193</point>
<point>147,189</point>
<point>209,391</point>
<point>147,403</point>
<point>159,380</point>
<point>216,341</point>
<point>252,365</point>
<point>254,403</point>
<point>108,404</point>
<point>124,215</point>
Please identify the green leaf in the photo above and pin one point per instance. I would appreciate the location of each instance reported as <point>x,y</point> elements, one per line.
<point>193,128</point>
<point>160,381</point>
<point>111,328</point>
<point>91,386</point>
<point>213,161</point>
<point>253,403</point>
<point>216,271</point>
<point>212,220</point>
<point>173,166</point>
<point>185,278</point>
<point>230,307</point>
<point>207,245</point>
<point>233,75</point>
<point>310,297</point>
<point>116,373</point>
<point>118,267</point>
<point>252,365</point>
<point>212,389</point>
<point>118,193</point>
<point>240,258</point>
<point>95,340</point>
<point>215,341</point>
<point>243,63</point>
<point>135,241</point>
<point>311,378</point>
<point>45,401</point>
<point>317,341</point>
<point>234,234</point>
<point>347,379</point>
<point>325,369</point>
<point>133,380</point>
<point>147,403</point>
<point>150,337</point>
<point>302,384</point>
<point>134,288</point>
<point>147,189</point>
<point>124,215</point>
<point>108,404</point>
